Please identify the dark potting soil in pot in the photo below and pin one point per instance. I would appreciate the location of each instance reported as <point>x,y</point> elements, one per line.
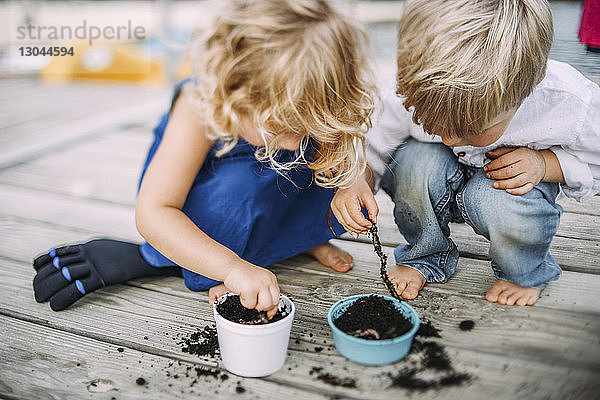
<point>232,309</point>
<point>373,317</point>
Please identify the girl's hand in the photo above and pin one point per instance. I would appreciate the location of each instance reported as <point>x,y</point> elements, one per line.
<point>516,169</point>
<point>347,205</point>
<point>256,286</point>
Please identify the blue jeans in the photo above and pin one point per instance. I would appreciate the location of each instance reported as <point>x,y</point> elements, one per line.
<point>430,189</point>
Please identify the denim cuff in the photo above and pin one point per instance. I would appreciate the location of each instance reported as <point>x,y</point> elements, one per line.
<point>427,272</point>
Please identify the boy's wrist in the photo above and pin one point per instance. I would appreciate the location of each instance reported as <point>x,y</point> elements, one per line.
<point>553,171</point>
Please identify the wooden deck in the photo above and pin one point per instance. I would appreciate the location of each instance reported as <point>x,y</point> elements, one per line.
<point>69,163</point>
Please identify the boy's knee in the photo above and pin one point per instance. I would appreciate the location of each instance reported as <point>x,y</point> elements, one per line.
<point>417,166</point>
<point>528,219</point>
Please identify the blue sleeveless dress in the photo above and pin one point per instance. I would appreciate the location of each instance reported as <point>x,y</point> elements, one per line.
<point>240,202</point>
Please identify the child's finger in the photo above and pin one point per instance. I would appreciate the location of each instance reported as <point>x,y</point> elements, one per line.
<point>342,219</point>
<point>271,313</point>
<point>275,294</point>
<point>521,190</point>
<point>500,151</point>
<point>265,301</point>
<point>350,231</point>
<point>349,221</point>
<point>500,162</point>
<point>373,208</point>
<point>273,310</point>
<point>358,218</point>
<point>506,172</point>
<point>511,183</point>
<point>249,300</point>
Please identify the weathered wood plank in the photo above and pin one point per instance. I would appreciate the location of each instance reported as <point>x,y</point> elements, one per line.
<point>12,89</point>
<point>590,206</point>
<point>534,360</point>
<point>24,239</point>
<point>84,182</point>
<point>63,365</point>
<point>43,106</point>
<point>95,216</point>
<point>122,150</point>
<point>34,141</point>
<point>533,328</point>
<point>92,170</point>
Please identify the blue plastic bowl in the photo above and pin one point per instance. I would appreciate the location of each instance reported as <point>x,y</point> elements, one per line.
<point>372,352</point>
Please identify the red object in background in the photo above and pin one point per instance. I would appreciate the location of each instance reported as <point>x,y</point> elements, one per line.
<point>589,31</point>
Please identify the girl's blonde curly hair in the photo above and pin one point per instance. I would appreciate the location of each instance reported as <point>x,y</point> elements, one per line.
<point>298,70</point>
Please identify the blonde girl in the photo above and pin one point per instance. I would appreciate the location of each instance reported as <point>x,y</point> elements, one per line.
<point>242,169</point>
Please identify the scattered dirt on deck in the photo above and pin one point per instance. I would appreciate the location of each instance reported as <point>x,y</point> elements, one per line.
<point>427,367</point>
<point>332,379</point>
<point>203,342</point>
<point>428,330</point>
<point>431,367</point>
<point>466,325</point>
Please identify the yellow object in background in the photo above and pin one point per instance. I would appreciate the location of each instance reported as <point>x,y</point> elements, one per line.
<point>184,69</point>
<point>104,61</point>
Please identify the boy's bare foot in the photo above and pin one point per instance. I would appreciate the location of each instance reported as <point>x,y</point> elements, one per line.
<point>508,293</point>
<point>408,281</point>
<point>332,256</point>
<point>215,292</point>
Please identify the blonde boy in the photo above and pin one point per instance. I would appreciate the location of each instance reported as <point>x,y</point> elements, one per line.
<point>518,130</point>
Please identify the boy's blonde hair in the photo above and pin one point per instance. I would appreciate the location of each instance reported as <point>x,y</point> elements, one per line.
<point>462,63</point>
<point>294,68</point>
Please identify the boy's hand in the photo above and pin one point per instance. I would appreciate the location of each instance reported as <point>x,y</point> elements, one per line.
<point>347,205</point>
<point>515,169</point>
<point>256,286</point>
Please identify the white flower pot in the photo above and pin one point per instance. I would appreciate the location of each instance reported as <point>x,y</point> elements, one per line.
<point>254,350</point>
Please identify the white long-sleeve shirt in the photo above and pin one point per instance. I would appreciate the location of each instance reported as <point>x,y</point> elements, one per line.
<point>561,114</point>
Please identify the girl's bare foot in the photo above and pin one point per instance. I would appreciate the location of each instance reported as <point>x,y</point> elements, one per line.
<point>215,292</point>
<point>408,281</point>
<point>508,293</point>
<point>332,256</point>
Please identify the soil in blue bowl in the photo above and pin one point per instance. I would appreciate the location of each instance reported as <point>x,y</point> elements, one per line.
<point>373,317</point>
